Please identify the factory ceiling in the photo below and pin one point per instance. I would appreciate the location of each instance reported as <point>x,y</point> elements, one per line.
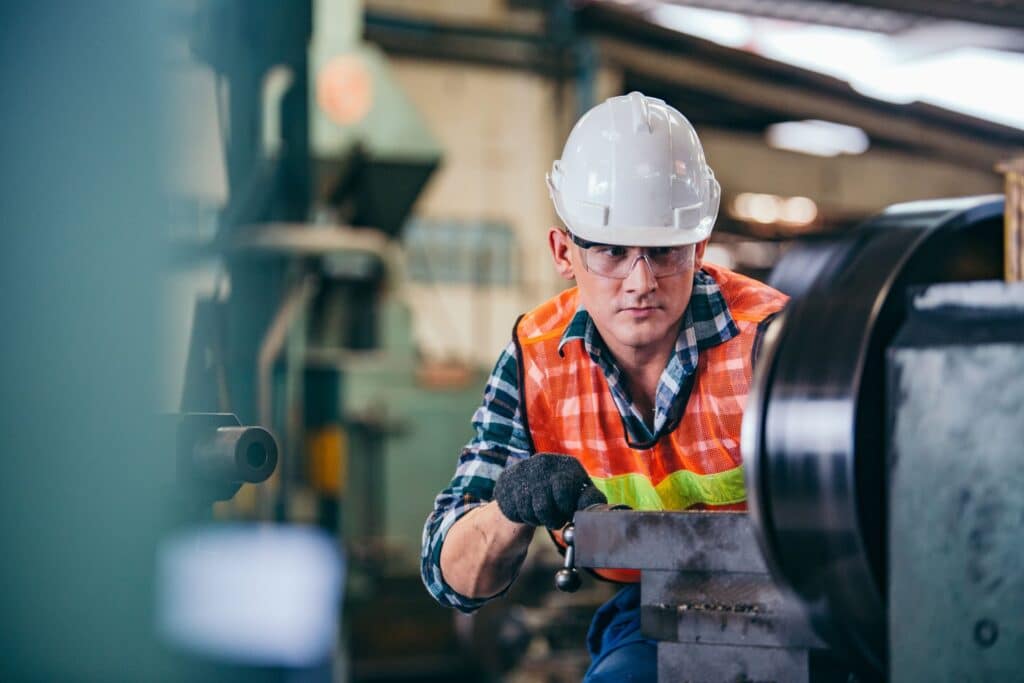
<point>735,89</point>
<point>884,16</point>
<point>727,87</point>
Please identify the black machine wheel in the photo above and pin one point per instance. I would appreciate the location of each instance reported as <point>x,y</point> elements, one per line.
<point>814,433</point>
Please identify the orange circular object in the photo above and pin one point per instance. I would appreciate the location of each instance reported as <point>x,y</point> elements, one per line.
<point>344,90</point>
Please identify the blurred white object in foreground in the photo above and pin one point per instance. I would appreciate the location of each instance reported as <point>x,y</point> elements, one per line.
<point>258,595</point>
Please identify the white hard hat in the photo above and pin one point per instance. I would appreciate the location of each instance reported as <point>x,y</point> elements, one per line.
<point>633,173</point>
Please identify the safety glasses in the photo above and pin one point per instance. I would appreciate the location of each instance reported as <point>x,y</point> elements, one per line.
<point>610,260</point>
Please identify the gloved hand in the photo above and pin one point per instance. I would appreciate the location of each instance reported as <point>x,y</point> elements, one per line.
<point>545,489</point>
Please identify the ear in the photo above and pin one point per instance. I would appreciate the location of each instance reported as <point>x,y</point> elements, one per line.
<point>698,253</point>
<point>561,251</point>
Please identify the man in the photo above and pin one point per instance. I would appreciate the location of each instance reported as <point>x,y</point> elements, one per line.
<point>628,388</point>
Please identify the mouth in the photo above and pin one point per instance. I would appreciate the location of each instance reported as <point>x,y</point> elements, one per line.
<point>639,310</point>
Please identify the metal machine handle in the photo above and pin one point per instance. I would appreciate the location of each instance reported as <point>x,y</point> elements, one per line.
<point>567,579</point>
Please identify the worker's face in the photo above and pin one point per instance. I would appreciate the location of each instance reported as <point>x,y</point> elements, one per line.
<point>635,314</point>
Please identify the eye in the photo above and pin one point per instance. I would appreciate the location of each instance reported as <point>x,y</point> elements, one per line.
<point>662,251</point>
<point>611,251</point>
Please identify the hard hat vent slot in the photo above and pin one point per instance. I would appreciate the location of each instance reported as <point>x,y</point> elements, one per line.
<point>593,214</point>
<point>687,216</point>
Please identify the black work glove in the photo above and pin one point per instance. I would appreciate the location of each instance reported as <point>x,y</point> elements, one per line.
<point>545,489</point>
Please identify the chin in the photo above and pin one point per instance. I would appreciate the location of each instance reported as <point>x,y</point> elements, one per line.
<point>639,335</point>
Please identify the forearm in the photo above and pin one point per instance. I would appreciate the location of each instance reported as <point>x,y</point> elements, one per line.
<point>483,551</point>
<point>462,556</point>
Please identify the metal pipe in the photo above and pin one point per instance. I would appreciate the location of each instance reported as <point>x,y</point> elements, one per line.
<point>236,454</point>
<point>294,303</point>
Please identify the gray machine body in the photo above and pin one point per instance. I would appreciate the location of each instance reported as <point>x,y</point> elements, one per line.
<point>707,597</point>
<point>956,531</point>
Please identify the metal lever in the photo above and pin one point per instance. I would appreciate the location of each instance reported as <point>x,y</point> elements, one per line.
<point>567,579</point>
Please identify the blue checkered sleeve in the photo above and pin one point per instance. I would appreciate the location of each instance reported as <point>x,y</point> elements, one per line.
<point>500,439</point>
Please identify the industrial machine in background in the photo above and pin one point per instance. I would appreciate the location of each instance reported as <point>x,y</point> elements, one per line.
<point>287,281</point>
<point>305,242</point>
<point>882,449</point>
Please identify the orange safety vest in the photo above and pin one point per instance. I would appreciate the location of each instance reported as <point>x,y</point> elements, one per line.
<point>569,409</point>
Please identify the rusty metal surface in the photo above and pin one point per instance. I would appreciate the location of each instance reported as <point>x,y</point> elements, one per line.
<point>707,596</point>
<point>693,541</point>
<point>722,609</point>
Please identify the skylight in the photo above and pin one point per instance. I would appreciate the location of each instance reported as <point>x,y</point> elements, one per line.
<point>981,82</point>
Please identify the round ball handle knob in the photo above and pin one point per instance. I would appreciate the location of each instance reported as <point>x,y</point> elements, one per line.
<point>567,580</point>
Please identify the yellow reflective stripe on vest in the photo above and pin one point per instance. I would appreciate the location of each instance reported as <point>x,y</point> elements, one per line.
<point>677,491</point>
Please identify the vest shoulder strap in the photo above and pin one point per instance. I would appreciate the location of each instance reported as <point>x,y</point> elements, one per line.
<point>549,319</point>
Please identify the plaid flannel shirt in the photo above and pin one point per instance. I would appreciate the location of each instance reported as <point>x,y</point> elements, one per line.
<point>501,438</point>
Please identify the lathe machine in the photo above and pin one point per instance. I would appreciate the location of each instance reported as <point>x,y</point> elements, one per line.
<point>883,446</point>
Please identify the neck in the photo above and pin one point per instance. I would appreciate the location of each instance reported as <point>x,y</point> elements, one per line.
<point>642,368</point>
<point>637,362</point>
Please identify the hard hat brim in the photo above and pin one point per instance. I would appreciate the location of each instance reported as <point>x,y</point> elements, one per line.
<point>657,236</point>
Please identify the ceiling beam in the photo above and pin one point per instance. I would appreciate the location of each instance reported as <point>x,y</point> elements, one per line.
<point>464,43</point>
<point>802,102</point>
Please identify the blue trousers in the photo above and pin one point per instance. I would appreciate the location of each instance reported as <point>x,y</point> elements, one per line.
<point>618,651</point>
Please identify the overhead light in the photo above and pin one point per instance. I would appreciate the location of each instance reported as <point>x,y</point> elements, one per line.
<point>878,65</point>
<point>798,211</point>
<point>951,80</point>
<point>724,28</point>
<point>816,137</point>
<point>771,209</point>
<point>765,208</point>
<point>760,208</point>
<point>840,52</point>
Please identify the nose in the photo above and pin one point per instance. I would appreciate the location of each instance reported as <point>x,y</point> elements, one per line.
<point>641,276</point>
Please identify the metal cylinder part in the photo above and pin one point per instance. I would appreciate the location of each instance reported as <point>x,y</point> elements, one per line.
<point>814,432</point>
<point>235,454</point>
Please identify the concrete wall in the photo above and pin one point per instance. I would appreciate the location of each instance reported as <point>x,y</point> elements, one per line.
<point>499,130</point>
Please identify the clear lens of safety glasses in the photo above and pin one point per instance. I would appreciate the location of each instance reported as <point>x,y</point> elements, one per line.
<point>617,262</point>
